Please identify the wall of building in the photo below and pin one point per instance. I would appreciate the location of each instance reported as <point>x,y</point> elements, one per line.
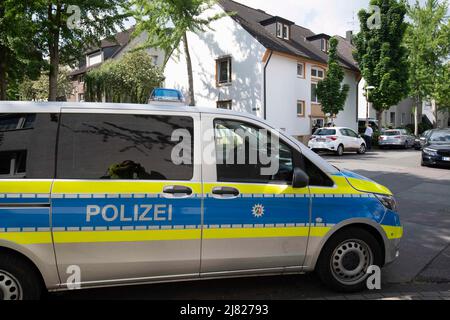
<point>348,117</point>
<point>227,38</point>
<point>283,89</point>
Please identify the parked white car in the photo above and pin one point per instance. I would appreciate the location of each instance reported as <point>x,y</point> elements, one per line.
<point>338,140</point>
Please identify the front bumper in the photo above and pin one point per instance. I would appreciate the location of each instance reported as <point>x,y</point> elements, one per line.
<point>392,250</point>
<point>435,160</point>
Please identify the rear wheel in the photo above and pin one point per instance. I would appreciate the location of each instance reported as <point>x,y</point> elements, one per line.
<point>340,150</point>
<point>344,260</point>
<point>18,280</point>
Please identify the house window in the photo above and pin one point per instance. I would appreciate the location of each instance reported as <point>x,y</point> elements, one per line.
<point>314,98</point>
<point>16,122</point>
<point>300,70</point>
<point>225,104</point>
<point>279,30</point>
<point>324,45</point>
<point>403,118</point>
<point>94,58</point>
<point>317,73</point>
<point>283,31</point>
<point>413,120</point>
<point>12,164</point>
<point>223,67</point>
<point>300,108</point>
<point>392,118</point>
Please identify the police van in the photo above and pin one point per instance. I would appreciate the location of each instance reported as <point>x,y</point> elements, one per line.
<point>91,195</point>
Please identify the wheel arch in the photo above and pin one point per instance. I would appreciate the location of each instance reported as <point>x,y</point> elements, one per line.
<point>315,248</point>
<point>45,271</point>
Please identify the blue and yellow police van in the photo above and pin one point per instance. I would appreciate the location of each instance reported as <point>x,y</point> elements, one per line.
<point>95,195</point>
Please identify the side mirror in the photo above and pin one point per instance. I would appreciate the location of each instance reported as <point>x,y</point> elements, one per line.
<point>300,179</point>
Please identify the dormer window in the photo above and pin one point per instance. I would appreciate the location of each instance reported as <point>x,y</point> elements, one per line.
<point>283,31</point>
<point>278,26</point>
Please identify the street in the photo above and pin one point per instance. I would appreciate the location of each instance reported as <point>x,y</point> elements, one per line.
<point>422,270</point>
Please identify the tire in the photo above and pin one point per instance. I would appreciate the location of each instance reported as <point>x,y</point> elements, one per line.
<point>362,149</point>
<point>18,279</point>
<point>340,150</point>
<point>355,243</point>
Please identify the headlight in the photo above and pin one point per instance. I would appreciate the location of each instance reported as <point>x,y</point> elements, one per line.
<point>430,152</point>
<point>387,201</point>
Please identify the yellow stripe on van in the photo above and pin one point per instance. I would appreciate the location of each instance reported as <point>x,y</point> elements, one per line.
<point>25,238</point>
<point>125,236</point>
<point>393,232</point>
<point>123,187</point>
<point>25,186</point>
<point>242,233</point>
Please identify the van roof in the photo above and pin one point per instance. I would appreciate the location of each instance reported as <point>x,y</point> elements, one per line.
<point>54,107</point>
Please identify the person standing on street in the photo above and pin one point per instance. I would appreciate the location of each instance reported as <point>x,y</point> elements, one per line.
<point>368,136</point>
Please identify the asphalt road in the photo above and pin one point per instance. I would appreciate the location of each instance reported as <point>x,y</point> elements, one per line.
<point>423,196</point>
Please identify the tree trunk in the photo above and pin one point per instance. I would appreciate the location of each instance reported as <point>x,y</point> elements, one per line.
<point>189,70</point>
<point>436,113</point>
<point>416,116</point>
<point>3,83</point>
<point>379,119</point>
<point>53,42</point>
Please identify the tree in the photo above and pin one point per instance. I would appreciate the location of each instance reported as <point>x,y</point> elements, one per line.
<point>130,79</point>
<point>427,40</point>
<point>381,55</point>
<point>37,90</point>
<point>167,23</point>
<point>65,31</point>
<point>442,89</point>
<point>330,91</point>
<point>19,54</point>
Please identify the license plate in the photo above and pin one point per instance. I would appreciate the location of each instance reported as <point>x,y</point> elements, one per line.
<point>446,158</point>
<point>320,140</point>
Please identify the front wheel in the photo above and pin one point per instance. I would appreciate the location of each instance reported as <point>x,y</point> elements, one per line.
<point>362,149</point>
<point>18,280</point>
<point>344,260</point>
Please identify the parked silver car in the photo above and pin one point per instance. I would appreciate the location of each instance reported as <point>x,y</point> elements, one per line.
<point>396,138</point>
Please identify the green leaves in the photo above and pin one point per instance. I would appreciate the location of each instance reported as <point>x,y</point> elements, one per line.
<point>166,21</point>
<point>330,91</point>
<point>381,55</point>
<point>130,79</point>
<point>428,42</point>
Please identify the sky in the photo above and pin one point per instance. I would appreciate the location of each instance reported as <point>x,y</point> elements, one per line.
<point>333,17</point>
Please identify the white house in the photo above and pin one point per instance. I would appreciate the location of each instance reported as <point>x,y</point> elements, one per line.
<point>265,65</point>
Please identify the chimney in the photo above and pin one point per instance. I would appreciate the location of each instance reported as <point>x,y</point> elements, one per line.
<point>349,36</point>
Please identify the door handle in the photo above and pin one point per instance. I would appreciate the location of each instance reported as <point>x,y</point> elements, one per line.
<point>225,191</point>
<point>177,190</point>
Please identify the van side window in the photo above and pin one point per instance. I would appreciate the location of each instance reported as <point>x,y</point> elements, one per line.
<point>27,145</point>
<point>124,147</point>
<point>238,149</point>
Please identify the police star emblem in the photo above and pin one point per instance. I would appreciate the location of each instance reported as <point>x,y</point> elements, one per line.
<point>258,210</point>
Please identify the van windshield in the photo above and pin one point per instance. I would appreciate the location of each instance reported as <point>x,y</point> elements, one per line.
<point>325,132</point>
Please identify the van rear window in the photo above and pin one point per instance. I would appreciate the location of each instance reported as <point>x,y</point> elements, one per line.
<point>123,147</point>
